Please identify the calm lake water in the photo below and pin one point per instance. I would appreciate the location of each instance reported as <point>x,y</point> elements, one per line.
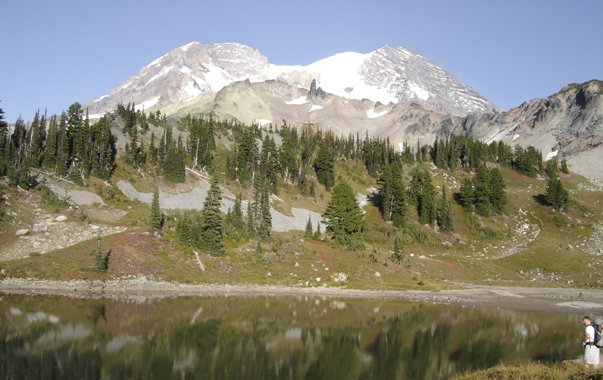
<point>269,338</point>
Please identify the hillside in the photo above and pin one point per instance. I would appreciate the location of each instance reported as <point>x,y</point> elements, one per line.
<point>529,244</point>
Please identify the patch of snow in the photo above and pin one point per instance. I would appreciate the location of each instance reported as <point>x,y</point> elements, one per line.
<point>551,155</point>
<point>187,46</point>
<point>124,86</point>
<point>262,122</point>
<point>95,116</point>
<point>341,72</point>
<point>192,89</point>
<point>297,101</point>
<point>156,61</point>
<point>419,91</point>
<point>148,103</point>
<point>371,114</point>
<point>101,98</point>
<point>161,73</point>
<point>315,107</point>
<point>515,137</point>
<point>185,70</point>
<point>217,78</point>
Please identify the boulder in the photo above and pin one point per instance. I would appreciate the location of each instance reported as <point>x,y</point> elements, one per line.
<point>40,227</point>
<point>60,218</point>
<point>22,232</point>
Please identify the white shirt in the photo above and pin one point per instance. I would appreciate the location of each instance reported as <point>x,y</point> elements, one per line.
<point>590,330</point>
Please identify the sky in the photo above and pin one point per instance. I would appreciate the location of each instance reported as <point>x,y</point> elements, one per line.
<point>54,53</point>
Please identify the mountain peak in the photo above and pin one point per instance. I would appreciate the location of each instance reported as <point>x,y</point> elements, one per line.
<point>386,75</point>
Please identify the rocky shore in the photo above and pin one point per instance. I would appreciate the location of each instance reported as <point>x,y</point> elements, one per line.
<point>548,300</point>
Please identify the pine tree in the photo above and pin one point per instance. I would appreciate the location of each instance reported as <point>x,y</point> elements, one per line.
<point>481,191</point>
<point>556,195</point>
<point>398,255</point>
<point>211,220</point>
<point>343,216</point>
<point>265,222</point>
<point>498,198</point>
<point>100,261</point>
<point>422,194</point>
<point>564,167</point>
<point>445,216</point>
<point>324,166</point>
<point>156,221</point>
<point>308,233</point>
<point>466,195</point>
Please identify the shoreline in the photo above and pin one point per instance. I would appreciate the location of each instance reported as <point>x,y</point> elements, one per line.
<point>546,300</point>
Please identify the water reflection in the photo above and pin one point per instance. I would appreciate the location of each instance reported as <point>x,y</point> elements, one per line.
<point>269,338</point>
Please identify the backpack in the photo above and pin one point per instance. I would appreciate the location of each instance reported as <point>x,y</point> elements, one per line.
<point>598,325</point>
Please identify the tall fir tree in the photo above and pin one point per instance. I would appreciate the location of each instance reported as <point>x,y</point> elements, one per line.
<point>481,191</point>
<point>498,197</point>
<point>211,220</point>
<point>343,217</point>
<point>156,219</point>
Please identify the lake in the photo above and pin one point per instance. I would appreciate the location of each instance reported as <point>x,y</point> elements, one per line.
<point>270,338</point>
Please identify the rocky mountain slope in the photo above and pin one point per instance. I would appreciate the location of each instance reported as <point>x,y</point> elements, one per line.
<point>395,75</point>
<point>568,123</point>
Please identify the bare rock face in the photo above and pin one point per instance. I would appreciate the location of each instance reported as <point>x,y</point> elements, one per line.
<point>567,123</point>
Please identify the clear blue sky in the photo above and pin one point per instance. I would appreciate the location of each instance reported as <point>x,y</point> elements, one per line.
<point>53,53</point>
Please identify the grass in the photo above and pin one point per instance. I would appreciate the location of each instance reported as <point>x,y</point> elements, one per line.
<point>558,371</point>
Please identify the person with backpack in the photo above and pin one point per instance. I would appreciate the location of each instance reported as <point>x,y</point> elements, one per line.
<point>591,350</point>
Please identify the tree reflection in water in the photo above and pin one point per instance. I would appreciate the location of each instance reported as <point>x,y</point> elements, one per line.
<point>269,338</point>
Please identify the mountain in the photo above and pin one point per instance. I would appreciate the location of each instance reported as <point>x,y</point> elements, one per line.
<point>386,75</point>
<point>568,123</point>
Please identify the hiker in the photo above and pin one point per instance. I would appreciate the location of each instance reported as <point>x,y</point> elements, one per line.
<point>591,351</point>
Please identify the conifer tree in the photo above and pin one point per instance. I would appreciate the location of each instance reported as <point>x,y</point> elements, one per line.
<point>100,261</point>
<point>308,233</point>
<point>481,191</point>
<point>324,166</point>
<point>156,221</point>
<point>445,215</point>
<point>265,222</point>
<point>317,231</point>
<point>498,198</point>
<point>466,195</point>
<point>211,220</point>
<point>422,194</point>
<point>556,195</point>
<point>564,167</point>
<point>398,255</point>
<point>343,216</point>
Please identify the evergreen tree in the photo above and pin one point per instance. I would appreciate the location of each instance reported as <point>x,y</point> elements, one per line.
<point>308,233</point>
<point>324,166</point>
<point>100,261</point>
<point>156,221</point>
<point>466,195</point>
<point>211,220</point>
<point>265,222</point>
<point>237,214</point>
<point>445,215</point>
<point>481,191</point>
<point>398,255</point>
<point>564,167</point>
<point>498,198</point>
<point>556,195</point>
<point>51,147</point>
<point>343,216</point>
<point>422,194</point>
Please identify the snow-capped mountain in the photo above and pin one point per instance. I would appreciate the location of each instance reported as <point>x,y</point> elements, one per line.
<point>385,75</point>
